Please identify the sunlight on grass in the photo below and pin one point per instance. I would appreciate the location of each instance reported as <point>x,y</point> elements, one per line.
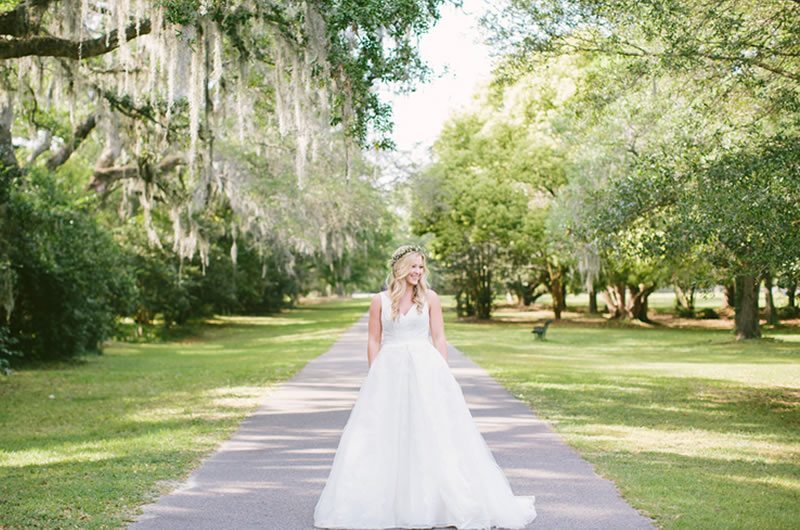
<point>292,338</point>
<point>766,375</point>
<point>783,482</point>
<point>263,321</point>
<point>86,452</point>
<point>694,442</point>
<point>236,397</point>
<point>589,386</point>
<point>155,415</point>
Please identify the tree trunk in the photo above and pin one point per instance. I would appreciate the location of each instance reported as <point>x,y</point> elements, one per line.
<point>593,301</point>
<point>518,292</point>
<point>644,305</point>
<point>772,313</point>
<point>746,305</point>
<point>614,296</point>
<point>464,305</point>
<point>556,289</point>
<point>485,294</point>
<point>791,291</point>
<point>522,291</point>
<point>484,301</point>
<point>684,297</point>
<point>730,295</point>
<point>637,305</point>
<point>557,295</point>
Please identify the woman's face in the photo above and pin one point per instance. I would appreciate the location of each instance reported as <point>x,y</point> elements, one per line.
<point>416,271</point>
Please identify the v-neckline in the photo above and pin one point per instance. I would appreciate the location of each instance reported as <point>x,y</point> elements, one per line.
<point>398,309</point>
<point>407,312</point>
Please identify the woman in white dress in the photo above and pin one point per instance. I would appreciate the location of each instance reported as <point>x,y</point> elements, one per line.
<point>411,455</point>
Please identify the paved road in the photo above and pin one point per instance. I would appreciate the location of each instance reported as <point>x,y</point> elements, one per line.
<point>269,474</point>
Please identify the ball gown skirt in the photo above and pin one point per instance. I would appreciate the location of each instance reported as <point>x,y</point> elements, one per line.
<point>411,455</point>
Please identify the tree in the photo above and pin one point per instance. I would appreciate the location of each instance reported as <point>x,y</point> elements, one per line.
<point>177,111</point>
<point>717,91</point>
<point>168,83</point>
<point>472,230</point>
<point>487,196</point>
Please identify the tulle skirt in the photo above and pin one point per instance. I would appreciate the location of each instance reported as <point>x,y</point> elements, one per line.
<point>411,455</point>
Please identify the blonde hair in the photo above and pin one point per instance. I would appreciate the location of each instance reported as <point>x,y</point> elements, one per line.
<point>396,284</point>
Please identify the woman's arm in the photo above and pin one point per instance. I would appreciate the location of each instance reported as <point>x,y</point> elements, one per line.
<point>374,329</point>
<point>437,323</point>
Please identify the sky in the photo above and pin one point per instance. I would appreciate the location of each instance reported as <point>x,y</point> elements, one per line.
<point>460,61</point>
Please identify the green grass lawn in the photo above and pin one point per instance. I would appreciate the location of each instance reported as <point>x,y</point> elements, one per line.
<point>697,430</point>
<point>83,444</point>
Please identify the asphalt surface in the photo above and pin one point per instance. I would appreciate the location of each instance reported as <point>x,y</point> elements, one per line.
<point>269,474</point>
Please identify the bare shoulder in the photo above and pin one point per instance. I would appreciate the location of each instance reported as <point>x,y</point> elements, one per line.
<point>433,298</point>
<point>376,300</point>
<point>375,307</point>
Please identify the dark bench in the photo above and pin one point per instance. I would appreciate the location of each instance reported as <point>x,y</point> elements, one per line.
<point>540,331</point>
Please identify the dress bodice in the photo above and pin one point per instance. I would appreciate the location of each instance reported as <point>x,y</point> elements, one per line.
<point>412,326</point>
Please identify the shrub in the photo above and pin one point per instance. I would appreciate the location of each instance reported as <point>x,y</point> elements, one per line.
<point>7,350</point>
<point>707,314</point>
<point>788,312</point>
<point>161,289</point>
<point>70,276</point>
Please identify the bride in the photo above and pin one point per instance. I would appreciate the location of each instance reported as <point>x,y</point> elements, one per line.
<point>411,455</point>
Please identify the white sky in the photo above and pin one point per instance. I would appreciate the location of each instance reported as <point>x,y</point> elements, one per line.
<point>460,61</point>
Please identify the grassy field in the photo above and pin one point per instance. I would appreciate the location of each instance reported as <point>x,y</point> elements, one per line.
<point>83,444</point>
<point>697,430</point>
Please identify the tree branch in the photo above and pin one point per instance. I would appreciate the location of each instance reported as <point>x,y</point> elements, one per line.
<point>17,22</point>
<point>104,177</point>
<point>123,104</point>
<point>80,134</point>
<point>710,56</point>
<point>40,145</point>
<point>57,47</point>
<point>126,107</point>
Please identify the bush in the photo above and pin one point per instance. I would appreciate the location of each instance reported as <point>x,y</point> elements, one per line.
<point>788,312</point>
<point>264,286</point>
<point>179,292</point>
<point>70,276</point>
<point>161,289</point>
<point>7,350</point>
<point>707,314</point>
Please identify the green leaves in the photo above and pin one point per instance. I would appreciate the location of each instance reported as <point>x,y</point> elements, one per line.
<point>373,42</point>
<point>488,196</point>
<point>69,274</point>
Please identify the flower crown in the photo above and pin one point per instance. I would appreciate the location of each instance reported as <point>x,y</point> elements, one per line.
<point>402,251</point>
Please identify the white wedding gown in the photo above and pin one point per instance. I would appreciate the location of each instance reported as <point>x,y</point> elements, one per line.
<point>411,455</point>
